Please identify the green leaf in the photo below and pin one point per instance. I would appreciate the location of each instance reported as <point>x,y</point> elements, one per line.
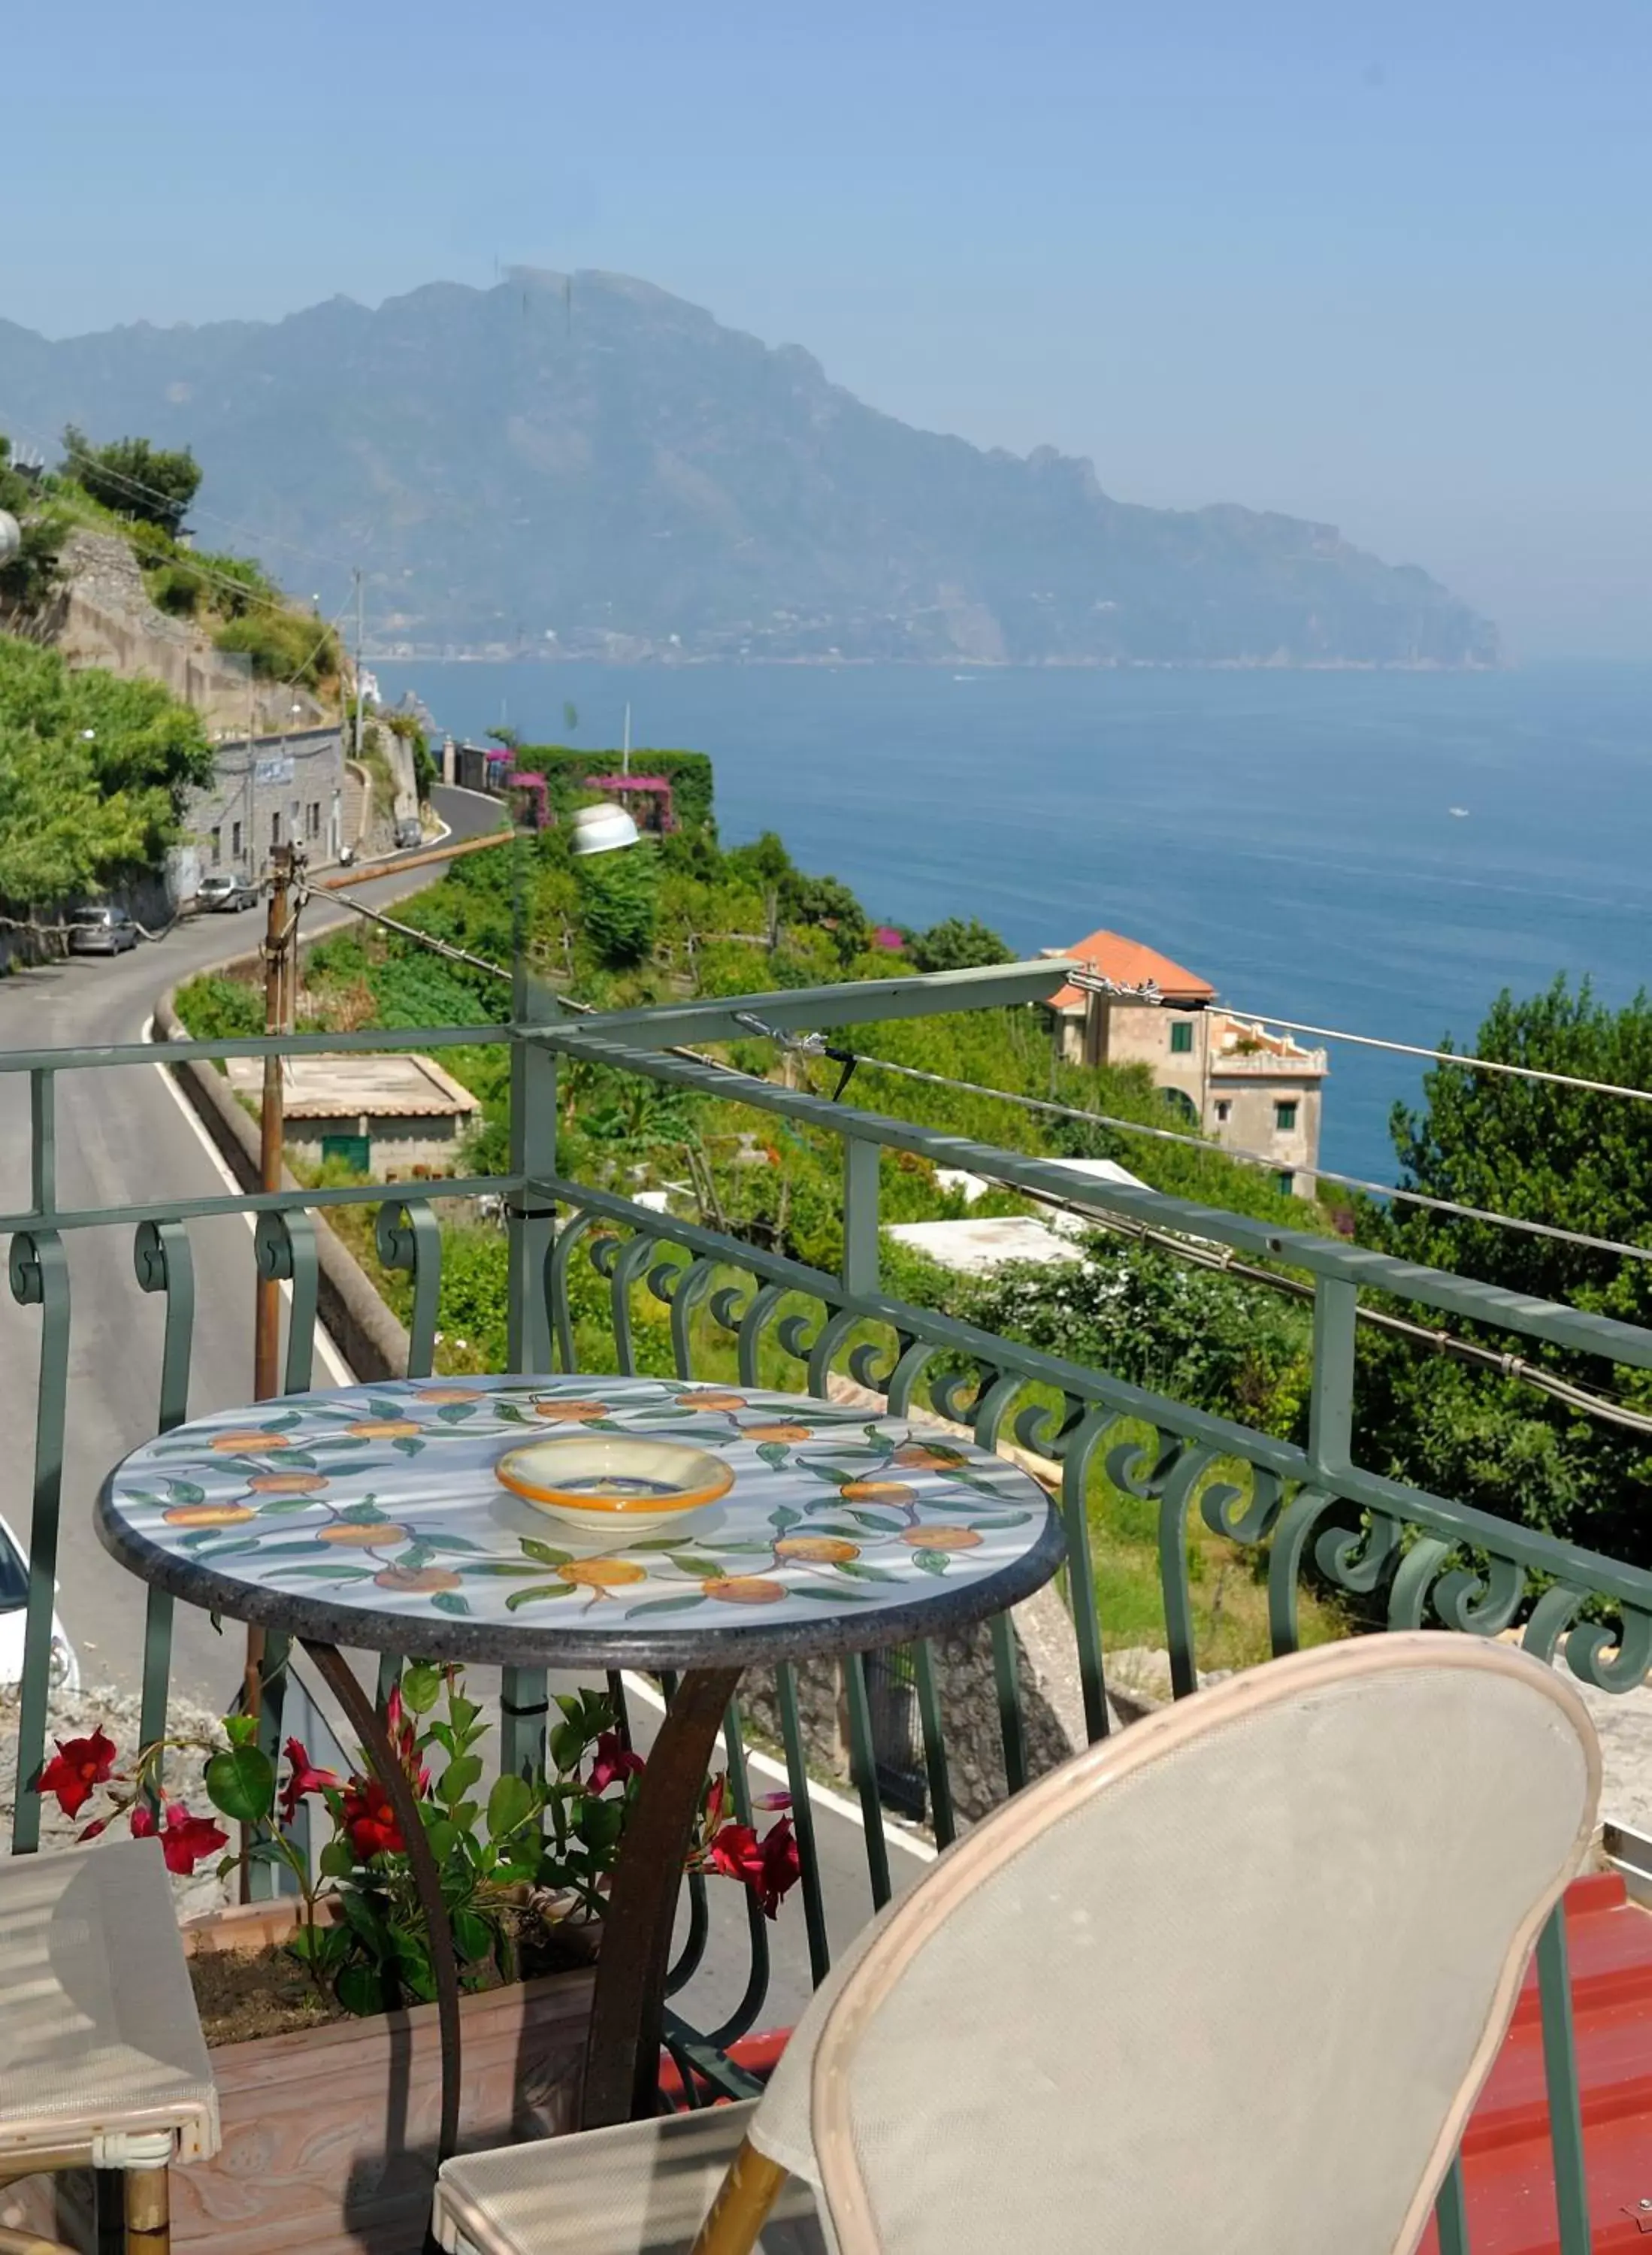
<point>454,1413</point>
<point>360,1988</point>
<point>930,1562</point>
<point>449,1601</point>
<point>336,1861</point>
<point>407,1445</point>
<point>183,1490</point>
<point>330,1573</point>
<point>510,1804</point>
<point>240,1780</point>
<point>543,1552</point>
<point>832,1596</point>
<point>208,1557</point>
<point>666,1605</point>
<point>364,1513</point>
<point>416,1555</point>
<point>440,1831</point>
<point>702,1570</point>
<point>870,1519</point>
<point>281,1507</point>
<point>387,1413</point>
<point>509,1567</point>
<point>473,1936</point>
<point>601,1822</point>
<point>421,1687</point>
<point>784,1517</point>
<point>519,1597</point>
<point>866,1573</point>
<point>773,1452</point>
<point>1011,1519</point>
<point>511,1414</point>
<point>458,1778</point>
<point>284,1423</point>
<point>435,1542</point>
<point>461,1712</point>
<point>242,1730</point>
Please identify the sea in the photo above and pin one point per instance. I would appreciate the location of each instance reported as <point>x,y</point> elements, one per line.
<point>1375,854</point>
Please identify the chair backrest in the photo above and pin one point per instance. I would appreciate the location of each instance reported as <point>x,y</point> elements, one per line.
<point>1232,1978</point>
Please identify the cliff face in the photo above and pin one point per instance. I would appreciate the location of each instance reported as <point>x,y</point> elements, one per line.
<point>585,466</point>
<point>102,615</point>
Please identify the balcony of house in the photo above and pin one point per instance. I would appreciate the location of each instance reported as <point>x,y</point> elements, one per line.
<point>566,1722</point>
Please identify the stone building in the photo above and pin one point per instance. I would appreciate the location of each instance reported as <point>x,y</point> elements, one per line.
<point>392,1116</point>
<point>1244,1085</point>
<point>284,789</point>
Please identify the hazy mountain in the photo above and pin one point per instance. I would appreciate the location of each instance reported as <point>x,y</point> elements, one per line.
<point>589,466</point>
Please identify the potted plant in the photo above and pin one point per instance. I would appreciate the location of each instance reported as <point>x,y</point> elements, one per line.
<point>318,2005</point>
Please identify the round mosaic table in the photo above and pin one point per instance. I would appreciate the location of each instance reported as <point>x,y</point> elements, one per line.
<point>375,1516</point>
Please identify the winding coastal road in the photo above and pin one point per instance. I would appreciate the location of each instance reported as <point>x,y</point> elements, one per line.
<point>123,1136</point>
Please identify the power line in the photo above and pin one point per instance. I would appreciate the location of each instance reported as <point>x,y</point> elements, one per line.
<point>155,493</point>
<point>1453,1056</point>
<point>1148,995</point>
<point>1260,1159</point>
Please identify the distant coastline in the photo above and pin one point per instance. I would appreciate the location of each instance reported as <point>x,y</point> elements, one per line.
<point>679,661</point>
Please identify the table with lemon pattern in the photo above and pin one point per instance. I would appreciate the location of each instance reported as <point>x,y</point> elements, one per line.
<point>374,1515</point>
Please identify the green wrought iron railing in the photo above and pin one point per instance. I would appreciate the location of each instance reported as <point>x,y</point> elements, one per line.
<point>1409,1557</point>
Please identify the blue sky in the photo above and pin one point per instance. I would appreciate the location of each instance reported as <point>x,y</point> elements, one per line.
<point>1386,266</point>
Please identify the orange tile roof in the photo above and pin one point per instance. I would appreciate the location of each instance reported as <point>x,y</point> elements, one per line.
<point>1131,965</point>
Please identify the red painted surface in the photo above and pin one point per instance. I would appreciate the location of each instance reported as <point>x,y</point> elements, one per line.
<point>1507,2168</point>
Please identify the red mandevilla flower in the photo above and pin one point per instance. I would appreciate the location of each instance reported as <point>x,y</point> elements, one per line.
<point>303,1778</point>
<point>613,1759</point>
<point>769,1867</point>
<point>79,1766</point>
<point>370,1820</point>
<point>185,1840</point>
<point>782,1868</point>
<point>735,1853</point>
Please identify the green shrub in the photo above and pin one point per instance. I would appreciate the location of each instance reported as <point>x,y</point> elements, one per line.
<point>619,899</point>
<point>283,646</point>
<point>214,1008</point>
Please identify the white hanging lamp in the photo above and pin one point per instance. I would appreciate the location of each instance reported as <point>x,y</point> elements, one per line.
<point>602,829</point>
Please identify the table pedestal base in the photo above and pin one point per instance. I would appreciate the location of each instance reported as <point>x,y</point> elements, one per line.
<point>622,2059</point>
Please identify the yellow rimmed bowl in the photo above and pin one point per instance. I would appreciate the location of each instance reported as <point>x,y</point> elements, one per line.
<point>615,1485</point>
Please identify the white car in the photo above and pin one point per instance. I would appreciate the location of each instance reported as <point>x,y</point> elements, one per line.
<point>14,1601</point>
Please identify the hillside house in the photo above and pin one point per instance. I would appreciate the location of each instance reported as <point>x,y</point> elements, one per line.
<point>1246,1085</point>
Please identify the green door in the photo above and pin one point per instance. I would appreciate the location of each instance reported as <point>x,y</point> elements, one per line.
<point>355,1151</point>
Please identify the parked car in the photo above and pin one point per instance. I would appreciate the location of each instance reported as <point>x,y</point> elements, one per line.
<point>65,1668</point>
<point>224,891</point>
<point>409,831</point>
<point>101,931</point>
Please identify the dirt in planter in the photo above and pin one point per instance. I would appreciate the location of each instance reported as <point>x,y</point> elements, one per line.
<point>244,1993</point>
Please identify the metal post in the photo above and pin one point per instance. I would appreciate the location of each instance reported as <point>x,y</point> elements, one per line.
<point>1331,1397</point>
<point>266,1379</point>
<point>860,1217</point>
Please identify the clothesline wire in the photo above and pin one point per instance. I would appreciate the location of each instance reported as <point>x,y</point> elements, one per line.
<point>1460,1058</point>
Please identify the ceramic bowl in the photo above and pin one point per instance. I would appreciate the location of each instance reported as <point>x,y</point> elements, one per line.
<point>615,1485</point>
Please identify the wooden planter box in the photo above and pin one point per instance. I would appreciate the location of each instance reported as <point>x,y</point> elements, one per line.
<point>329,2134</point>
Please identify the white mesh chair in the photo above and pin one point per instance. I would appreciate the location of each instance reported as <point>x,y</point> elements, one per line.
<point>1233,1977</point>
<point>102,2060</point>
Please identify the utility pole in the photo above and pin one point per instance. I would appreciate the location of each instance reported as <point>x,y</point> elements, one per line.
<point>358,666</point>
